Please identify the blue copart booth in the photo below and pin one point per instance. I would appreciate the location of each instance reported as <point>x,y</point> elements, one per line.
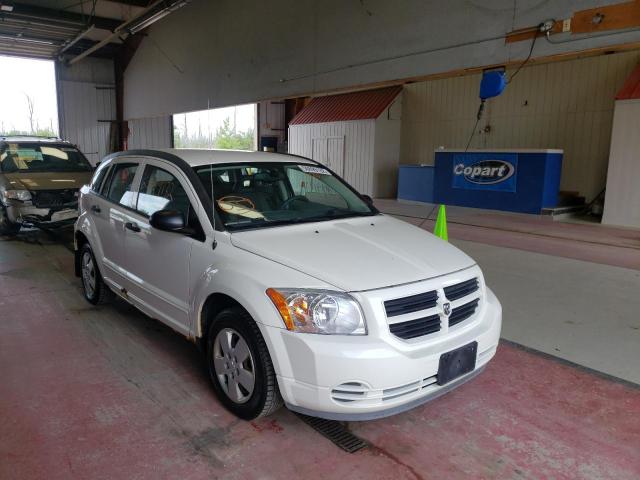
<point>514,180</point>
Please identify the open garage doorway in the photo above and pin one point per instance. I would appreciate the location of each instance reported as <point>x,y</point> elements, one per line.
<point>28,97</point>
<point>229,128</point>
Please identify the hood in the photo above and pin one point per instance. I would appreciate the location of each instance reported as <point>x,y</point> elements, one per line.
<point>47,180</point>
<point>356,254</point>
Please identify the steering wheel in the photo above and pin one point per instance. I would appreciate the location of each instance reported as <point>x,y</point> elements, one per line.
<point>289,201</point>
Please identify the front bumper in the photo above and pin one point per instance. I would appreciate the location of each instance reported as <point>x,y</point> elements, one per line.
<point>30,215</point>
<point>374,376</point>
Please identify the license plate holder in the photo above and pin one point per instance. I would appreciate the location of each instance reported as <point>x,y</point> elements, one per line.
<point>457,362</point>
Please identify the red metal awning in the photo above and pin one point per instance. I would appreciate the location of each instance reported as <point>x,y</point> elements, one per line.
<point>631,88</point>
<point>347,106</point>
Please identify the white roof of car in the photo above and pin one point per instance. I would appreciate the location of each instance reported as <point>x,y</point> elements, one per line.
<point>197,157</point>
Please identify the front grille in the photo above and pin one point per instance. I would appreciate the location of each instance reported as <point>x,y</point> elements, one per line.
<point>463,312</point>
<point>54,198</point>
<point>414,303</point>
<point>460,290</point>
<point>416,328</point>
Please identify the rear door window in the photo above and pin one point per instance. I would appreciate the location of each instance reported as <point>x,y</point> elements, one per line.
<point>121,184</point>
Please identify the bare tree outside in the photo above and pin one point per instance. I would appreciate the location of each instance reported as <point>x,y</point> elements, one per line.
<point>29,100</point>
<point>34,126</point>
<point>31,110</point>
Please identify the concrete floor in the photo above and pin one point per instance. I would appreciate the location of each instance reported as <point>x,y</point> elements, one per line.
<point>584,312</point>
<point>108,393</point>
<point>589,242</point>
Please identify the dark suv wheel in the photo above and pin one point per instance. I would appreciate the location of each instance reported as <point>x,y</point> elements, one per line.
<point>93,286</point>
<point>240,365</point>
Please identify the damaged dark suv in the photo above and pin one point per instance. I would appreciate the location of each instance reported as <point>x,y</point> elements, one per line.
<point>39,182</point>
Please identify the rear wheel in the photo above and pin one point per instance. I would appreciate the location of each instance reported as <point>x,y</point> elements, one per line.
<point>240,366</point>
<point>93,286</point>
<point>7,227</point>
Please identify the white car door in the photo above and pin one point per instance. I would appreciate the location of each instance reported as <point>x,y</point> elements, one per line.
<point>107,209</point>
<point>158,261</point>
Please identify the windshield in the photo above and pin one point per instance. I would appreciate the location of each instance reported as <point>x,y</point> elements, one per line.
<point>36,157</point>
<point>256,195</point>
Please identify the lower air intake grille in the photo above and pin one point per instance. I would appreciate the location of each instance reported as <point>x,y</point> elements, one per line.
<point>461,313</point>
<point>462,289</point>
<point>411,304</point>
<point>416,328</point>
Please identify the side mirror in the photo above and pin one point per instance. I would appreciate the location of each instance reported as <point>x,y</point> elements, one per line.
<point>367,199</point>
<point>169,221</point>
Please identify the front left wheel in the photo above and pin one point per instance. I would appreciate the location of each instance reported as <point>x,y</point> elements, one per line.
<point>240,366</point>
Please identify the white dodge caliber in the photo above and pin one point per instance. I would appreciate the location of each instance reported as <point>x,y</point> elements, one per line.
<point>295,287</point>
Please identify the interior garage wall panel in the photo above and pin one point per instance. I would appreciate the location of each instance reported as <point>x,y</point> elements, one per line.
<point>86,104</point>
<point>222,53</point>
<point>566,105</point>
<point>150,133</point>
<point>86,111</point>
<point>622,202</point>
<point>358,147</point>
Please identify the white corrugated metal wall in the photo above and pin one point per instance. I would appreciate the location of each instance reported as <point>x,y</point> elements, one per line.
<point>622,202</point>
<point>87,104</point>
<point>566,105</point>
<point>271,122</point>
<point>358,150</point>
<point>150,133</point>
<point>387,150</point>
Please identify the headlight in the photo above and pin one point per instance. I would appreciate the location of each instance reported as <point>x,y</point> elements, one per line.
<point>318,311</point>
<point>22,195</point>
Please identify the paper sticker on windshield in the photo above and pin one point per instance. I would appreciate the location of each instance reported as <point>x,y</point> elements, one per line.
<point>318,170</point>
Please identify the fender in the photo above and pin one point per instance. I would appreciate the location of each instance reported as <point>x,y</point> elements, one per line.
<point>245,277</point>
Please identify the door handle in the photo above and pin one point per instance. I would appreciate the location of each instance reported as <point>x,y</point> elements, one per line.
<point>95,209</point>
<point>132,226</point>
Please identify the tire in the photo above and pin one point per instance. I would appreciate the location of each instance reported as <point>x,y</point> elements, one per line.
<point>95,290</point>
<point>229,370</point>
<point>7,227</point>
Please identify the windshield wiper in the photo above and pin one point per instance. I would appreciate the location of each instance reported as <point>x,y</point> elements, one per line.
<point>260,222</point>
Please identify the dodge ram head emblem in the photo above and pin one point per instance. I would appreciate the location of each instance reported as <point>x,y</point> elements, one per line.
<point>446,308</point>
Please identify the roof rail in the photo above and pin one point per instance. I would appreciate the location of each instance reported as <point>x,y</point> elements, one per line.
<point>50,137</point>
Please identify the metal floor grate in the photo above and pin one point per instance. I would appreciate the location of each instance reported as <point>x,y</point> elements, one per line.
<point>336,432</point>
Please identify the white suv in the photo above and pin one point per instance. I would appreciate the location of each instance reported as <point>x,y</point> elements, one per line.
<point>293,284</point>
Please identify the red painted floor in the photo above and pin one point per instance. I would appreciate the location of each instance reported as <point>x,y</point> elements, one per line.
<point>108,393</point>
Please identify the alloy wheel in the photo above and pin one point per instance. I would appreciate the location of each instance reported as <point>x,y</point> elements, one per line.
<point>234,365</point>
<point>88,274</point>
